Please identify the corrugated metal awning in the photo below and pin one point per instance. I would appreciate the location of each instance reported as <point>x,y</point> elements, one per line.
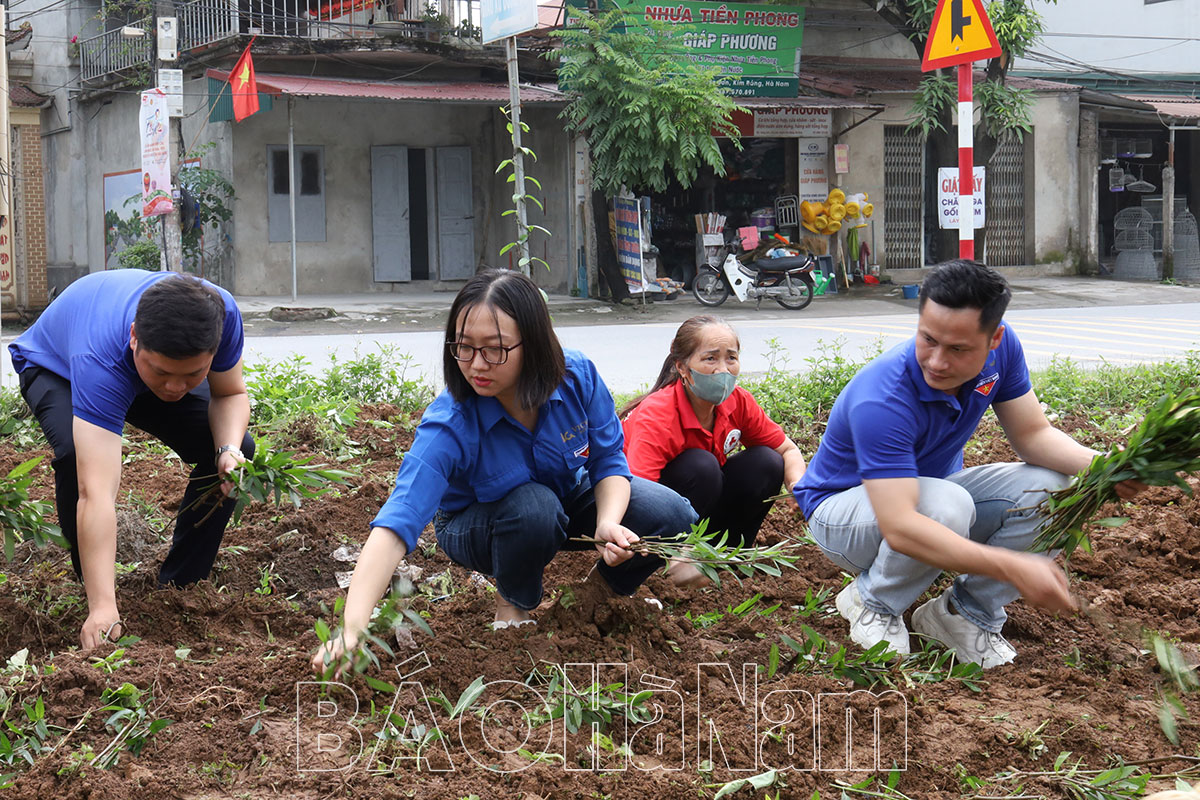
<point>410,91</point>
<point>1178,106</point>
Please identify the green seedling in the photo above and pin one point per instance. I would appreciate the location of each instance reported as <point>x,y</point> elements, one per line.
<point>130,719</point>
<point>21,517</point>
<point>271,476</point>
<point>393,613</point>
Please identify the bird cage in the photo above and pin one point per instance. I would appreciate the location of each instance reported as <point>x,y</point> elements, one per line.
<point>1138,184</point>
<point>1134,245</point>
<point>1187,248</point>
<point>1116,179</point>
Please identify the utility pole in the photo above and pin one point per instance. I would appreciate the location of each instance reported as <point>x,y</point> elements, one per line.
<point>5,174</point>
<point>172,234</point>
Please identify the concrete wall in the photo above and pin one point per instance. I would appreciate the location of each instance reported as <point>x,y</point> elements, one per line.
<point>1053,202</point>
<point>849,29</point>
<point>63,144</point>
<point>1051,196</point>
<point>347,129</point>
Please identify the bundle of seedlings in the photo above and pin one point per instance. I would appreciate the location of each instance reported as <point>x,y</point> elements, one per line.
<point>714,555</point>
<point>271,476</point>
<point>1163,449</point>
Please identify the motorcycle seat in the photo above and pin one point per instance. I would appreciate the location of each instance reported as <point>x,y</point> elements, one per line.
<point>785,264</point>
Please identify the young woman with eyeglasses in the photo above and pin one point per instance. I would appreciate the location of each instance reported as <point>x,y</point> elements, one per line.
<point>521,452</point>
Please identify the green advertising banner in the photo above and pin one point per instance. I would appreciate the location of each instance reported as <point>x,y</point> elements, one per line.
<point>757,47</point>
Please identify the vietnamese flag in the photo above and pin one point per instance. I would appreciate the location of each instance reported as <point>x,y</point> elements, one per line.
<point>244,87</point>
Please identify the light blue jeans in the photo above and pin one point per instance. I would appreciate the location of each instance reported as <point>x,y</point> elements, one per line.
<point>981,502</point>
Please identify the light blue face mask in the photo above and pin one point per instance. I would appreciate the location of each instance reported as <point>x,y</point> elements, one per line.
<point>714,388</point>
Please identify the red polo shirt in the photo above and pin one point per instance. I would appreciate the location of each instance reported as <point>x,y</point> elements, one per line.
<point>664,425</point>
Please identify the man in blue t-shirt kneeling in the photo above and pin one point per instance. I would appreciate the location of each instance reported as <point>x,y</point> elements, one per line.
<point>886,495</point>
<point>162,352</point>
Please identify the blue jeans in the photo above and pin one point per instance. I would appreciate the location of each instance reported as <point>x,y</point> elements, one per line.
<point>513,539</point>
<point>980,502</point>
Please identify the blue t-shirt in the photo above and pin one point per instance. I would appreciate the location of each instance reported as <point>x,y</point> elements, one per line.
<point>475,452</point>
<point>83,336</point>
<point>889,423</point>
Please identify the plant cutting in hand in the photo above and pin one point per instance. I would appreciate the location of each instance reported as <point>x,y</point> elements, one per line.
<point>712,557</point>
<point>394,613</point>
<point>1164,446</point>
<point>271,477</point>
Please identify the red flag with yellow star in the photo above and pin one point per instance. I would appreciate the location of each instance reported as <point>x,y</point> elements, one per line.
<point>244,87</point>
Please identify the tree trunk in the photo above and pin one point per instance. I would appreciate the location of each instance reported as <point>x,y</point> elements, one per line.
<point>607,267</point>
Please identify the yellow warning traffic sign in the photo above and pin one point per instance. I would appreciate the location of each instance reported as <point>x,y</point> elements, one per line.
<point>961,33</point>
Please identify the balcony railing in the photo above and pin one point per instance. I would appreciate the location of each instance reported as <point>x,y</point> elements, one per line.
<point>205,22</point>
<point>111,52</point>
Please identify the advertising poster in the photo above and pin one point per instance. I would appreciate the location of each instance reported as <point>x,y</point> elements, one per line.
<point>156,155</point>
<point>948,197</point>
<point>628,219</point>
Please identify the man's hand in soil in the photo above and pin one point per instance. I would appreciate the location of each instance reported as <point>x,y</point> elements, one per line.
<point>1041,582</point>
<point>102,625</point>
<point>617,542</point>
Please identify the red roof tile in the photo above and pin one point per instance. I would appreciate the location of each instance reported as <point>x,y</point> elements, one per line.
<point>21,95</point>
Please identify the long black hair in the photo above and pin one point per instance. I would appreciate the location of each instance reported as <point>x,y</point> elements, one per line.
<point>542,367</point>
<point>683,346</point>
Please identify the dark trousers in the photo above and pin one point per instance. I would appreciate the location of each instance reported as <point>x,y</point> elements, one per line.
<point>731,497</point>
<point>513,539</point>
<point>183,426</point>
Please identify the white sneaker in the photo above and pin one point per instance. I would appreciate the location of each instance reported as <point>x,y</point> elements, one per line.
<point>869,628</point>
<point>969,642</point>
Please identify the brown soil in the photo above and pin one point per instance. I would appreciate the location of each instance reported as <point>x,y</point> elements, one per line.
<point>226,662</point>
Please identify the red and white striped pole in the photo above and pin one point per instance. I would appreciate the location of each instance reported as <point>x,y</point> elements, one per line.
<point>966,163</point>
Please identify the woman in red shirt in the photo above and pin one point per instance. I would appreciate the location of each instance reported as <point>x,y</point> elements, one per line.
<point>699,433</point>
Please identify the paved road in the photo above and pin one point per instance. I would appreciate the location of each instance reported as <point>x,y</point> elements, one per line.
<point>630,355</point>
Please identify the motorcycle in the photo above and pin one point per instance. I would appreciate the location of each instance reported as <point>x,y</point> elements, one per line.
<point>787,279</point>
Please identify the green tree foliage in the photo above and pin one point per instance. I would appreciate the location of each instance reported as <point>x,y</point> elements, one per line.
<point>647,112</point>
<point>1004,111</point>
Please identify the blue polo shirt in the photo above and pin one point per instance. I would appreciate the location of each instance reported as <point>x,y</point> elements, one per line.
<point>889,423</point>
<point>83,336</point>
<point>475,452</point>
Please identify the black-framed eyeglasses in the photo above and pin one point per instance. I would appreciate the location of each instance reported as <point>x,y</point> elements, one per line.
<point>492,353</point>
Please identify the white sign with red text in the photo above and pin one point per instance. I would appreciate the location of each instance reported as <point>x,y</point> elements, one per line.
<point>947,197</point>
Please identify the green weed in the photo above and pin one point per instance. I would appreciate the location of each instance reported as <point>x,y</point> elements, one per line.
<point>21,517</point>
<point>597,703</point>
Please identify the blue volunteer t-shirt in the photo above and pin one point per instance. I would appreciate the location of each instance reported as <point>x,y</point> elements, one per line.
<point>889,423</point>
<point>83,336</point>
<point>475,452</point>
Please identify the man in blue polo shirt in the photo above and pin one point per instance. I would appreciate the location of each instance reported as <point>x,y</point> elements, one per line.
<point>162,352</point>
<point>886,495</point>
